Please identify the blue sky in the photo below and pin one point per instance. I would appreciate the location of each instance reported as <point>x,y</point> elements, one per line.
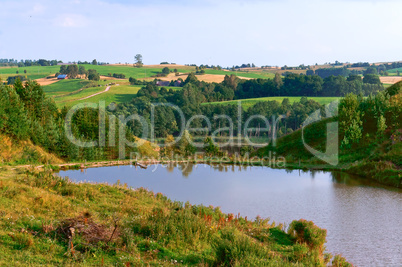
<point>272,32</point>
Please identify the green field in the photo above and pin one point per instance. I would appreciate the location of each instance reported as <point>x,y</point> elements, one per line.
<point>392,72</point>
<point>253,75</point>
<point>130,71</point>
<point>63,87</point>
<point>116,93</point>
<point>36,72</point>
<point>33,72</point>
<point>247,103</point>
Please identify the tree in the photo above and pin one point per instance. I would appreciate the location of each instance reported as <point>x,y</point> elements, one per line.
<point>310,72</point>
<point>278,81</point>
<point>210,148</point>
<point>138,61</point>
<point>372,79</point>
<point>231,81</point>
<point>63,69</point>
<point>371,70</point>
<point>82,70</point>
<point>165,70</point>
<point>185,144</point>
<point>93,75</point>
<point>94,62</point>
<point>72,71</point>
<point>169,146</point>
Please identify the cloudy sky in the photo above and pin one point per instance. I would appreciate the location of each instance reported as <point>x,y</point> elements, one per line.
<point>224,32</point>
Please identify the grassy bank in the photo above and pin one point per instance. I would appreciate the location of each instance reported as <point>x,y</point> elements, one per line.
<point>48,220</point>
<point>378,162</point>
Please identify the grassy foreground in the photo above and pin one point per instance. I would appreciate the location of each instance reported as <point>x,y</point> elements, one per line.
<point>47,220</point>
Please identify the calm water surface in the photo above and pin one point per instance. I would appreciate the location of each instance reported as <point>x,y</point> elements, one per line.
<point>362,219</point>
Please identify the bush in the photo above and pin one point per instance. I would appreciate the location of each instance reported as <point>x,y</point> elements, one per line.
<point>308,233</point>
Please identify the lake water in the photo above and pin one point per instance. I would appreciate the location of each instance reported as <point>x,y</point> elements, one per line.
<point>363,220</point>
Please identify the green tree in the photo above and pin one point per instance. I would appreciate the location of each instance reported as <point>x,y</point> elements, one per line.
<point>72,71</point>
<point>94,62</point>
<point>278,82</point>
<point>165,70</point>
<point>82,71</point>
<point>138,61</point>
<point>185,144</point>
<point>231,81</point>
<point>63,69</point>
<point>93,75</point>
<point>371,79</point>
<point>210,148</point>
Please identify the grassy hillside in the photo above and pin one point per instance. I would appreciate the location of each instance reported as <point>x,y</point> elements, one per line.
<point>116,93</point>
<point>247,103</point>
<point>47,220</point>
<point>63,87</point>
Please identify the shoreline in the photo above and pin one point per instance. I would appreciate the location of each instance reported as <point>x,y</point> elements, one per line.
<point>110,163</point>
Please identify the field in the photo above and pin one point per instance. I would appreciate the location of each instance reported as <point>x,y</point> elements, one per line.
<point>246,74</point>
<point>63,87</point>
<point>138,73</point>
<point>390,79</point>
<point>393,71</point>
<point>33,72</point>
<point>117,94</point>
<point>247,103</point>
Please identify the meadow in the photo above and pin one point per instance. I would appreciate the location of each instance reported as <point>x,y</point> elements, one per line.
<point>116,94</point>
<point>253,74</point>
<point>247,103</point>
<point>392,72</point>
<point>33,72</point>
<point>63,87</point>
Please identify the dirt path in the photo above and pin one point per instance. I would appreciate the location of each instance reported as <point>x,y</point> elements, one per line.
<point>107,89</point>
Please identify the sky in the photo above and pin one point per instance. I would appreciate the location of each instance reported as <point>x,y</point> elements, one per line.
<point>224,32</point>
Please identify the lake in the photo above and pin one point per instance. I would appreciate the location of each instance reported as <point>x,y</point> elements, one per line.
<point>363,219</point>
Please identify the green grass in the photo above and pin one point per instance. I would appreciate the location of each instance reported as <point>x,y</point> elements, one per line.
<point>117,94</point>
<point>33,72</point>
<point>247,103</point>
<point>64,87</point>
<point>253,75</point>
<point>130,71</point>
<point>119,226</point>
<point>36,72</point>
<point>393,71</point>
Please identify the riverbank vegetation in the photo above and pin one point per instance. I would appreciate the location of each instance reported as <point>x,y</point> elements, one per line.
<point>370,138</point>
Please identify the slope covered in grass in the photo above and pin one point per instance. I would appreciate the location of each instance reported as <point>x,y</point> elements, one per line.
<point>47,220</point>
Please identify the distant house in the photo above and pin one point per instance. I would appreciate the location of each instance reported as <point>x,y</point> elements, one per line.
<point>62,77</point>
<point>162,83</point>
